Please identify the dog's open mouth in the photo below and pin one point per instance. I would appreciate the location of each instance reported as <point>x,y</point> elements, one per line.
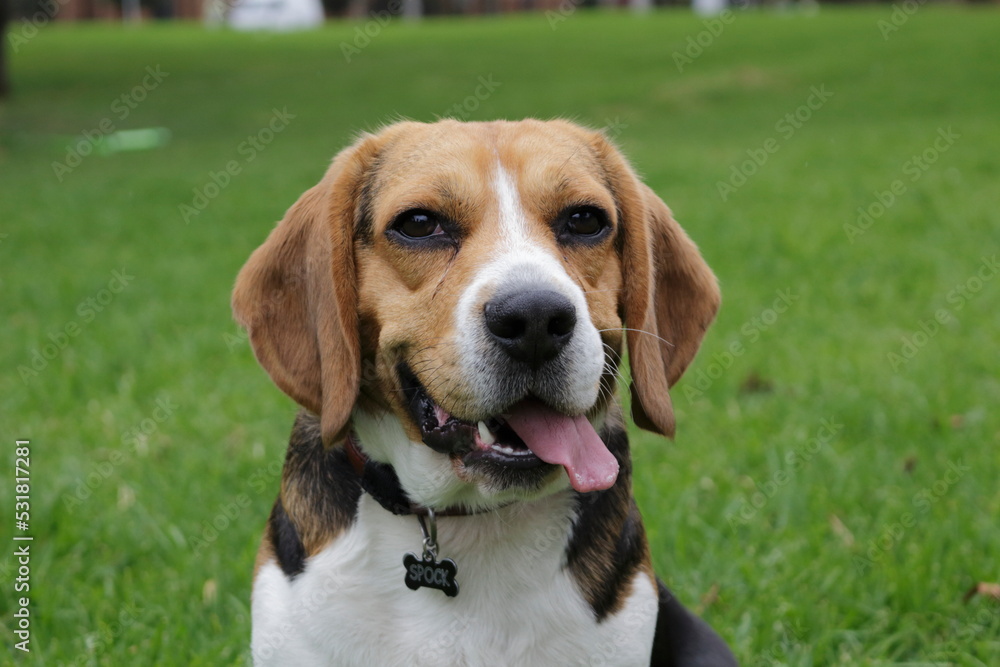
<point>528,435</point>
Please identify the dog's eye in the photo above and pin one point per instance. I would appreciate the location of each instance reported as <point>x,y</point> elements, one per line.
<point>417,224</point>
<point>585,221</point>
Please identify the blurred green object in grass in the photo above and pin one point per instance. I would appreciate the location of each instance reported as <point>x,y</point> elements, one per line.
<point>133,140</point>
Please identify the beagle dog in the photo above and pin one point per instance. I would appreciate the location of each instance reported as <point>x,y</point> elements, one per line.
<point>450,307</point>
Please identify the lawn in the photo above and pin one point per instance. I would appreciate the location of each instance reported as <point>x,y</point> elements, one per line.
<point>834,487</point>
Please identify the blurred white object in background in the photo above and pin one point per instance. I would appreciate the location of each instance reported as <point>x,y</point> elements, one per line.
<point>275,14</point>
<point>709,7</point>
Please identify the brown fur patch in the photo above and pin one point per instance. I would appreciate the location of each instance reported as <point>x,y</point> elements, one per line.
<point>265,552</point>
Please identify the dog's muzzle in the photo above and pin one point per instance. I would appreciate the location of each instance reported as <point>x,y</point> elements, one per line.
<point>530,327</point>
<point>528,436</point>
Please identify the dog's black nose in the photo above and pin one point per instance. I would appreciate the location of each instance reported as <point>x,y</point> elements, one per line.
<point>531,325</point>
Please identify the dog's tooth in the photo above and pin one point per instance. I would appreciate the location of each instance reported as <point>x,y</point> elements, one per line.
<point>441,414</point>
<point>485,434</point>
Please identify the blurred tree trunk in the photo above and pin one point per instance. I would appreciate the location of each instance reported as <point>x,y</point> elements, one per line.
<point>357,8</point>
<point>413,9</point>
<point>4,81</point>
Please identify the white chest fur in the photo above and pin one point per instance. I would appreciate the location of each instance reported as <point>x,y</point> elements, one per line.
<point>518,606</point>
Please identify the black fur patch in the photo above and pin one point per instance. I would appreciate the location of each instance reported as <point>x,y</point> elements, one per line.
<point>285,541</point>
<point>382,484</point>
<point>608,545</point>
<point>684,640</point>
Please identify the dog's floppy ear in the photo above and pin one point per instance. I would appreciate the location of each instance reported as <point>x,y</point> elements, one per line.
<point>669,295</point>
<point>297,295</point>
<point>683,302</point>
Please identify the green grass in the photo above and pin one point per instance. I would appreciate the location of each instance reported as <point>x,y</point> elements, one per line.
<point>123,577</point>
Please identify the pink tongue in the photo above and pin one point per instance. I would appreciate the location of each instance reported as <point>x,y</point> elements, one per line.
<point>567,441</point>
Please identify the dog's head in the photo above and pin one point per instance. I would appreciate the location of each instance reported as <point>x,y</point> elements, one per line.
<point>458,294</point>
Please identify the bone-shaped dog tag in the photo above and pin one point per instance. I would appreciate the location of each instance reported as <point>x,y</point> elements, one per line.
<point>428,572</point>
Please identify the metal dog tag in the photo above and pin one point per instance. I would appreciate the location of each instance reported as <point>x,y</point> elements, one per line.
<point>429,573</point>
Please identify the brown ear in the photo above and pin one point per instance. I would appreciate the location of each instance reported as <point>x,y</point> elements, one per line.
<point>297,297</point>
<point>685,298</point>
<point>669,298</point>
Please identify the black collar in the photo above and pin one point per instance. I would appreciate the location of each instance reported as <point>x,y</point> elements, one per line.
<point>379,480</point>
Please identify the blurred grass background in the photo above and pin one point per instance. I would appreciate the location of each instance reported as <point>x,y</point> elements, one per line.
<point>806,508</point>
